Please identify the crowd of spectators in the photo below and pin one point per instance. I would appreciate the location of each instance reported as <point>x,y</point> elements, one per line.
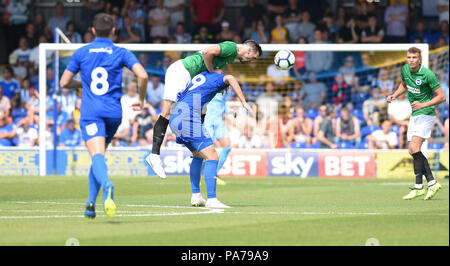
<point>347,110</point>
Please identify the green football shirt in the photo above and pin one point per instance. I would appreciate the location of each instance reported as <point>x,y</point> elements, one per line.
<point>420,86</point>
<point>195,65</point>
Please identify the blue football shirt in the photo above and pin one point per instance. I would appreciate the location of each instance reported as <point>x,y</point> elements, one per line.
<point>185,120</point>
<point>101,63</point>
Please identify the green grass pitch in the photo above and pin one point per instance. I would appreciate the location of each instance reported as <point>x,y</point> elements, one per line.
<point>265,212</point>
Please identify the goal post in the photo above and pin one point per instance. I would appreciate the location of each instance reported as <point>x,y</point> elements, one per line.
<point>56,47</point>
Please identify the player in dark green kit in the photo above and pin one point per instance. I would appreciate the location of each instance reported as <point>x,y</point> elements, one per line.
<point>180,73</point>
<point>424,93</point>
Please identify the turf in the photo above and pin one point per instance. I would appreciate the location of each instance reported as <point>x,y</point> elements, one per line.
<point>265,212</point>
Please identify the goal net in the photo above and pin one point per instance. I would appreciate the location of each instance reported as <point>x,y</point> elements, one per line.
<point>352,78</point>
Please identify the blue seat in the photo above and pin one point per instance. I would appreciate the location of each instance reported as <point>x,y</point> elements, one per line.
<point>436,146</point>
<point>298,145</point>
<point>315,145</point>
<point>363,144</point>
<point>368,130</point>
<point>345,145</point>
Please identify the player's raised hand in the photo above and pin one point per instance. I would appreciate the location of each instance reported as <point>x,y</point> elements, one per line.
<point>137,106</point>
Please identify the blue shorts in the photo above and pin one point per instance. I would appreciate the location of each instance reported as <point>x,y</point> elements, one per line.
<point>196,146</point>
<point>217,130</point>
<point>99,127</point>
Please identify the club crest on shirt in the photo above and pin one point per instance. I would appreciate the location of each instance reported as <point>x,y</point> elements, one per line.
<point>418,81</point>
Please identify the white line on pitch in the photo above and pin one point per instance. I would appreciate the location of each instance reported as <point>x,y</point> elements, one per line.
<point>125,205</point>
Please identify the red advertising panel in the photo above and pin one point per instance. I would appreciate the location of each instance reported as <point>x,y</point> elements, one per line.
<point>245,163</point>
<point>349,164</point>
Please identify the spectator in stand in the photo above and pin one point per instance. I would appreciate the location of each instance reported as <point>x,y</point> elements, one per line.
<point>442,8</point>
<point>299,68</point>
<point>276,74</point>
<point>341,17</point>
<point>226,34</point>
<point>269,100</point>
<point>68,100</point>
<point>5,103</point>
<point>318,62</point>
<point>350,32</point>
<point>23,52</point>
<point>9,84</point>
<point>249,139</point>
<point>41,25</point>
<point>25,90</point>
<point>204,36</point>
<point>299,129</point>
<point>326,135</point>
<point>18,17</point>
<point>129,34</point>
<point>443,33</point>
<point>181,35</point>
<point>260,35</point>
<point>317,9</point>
<point>30,35</point>
<point>26,134</point>
<point>339,94</point>
<point>313,93</point>
<point>34,54</point>
<point>383,138</point>
<point>275,8</point>
<point>291,19</point>
<point>137,15</point>
<point>158,20</point>
<point>372,33</point>
<point>330,27</point>
<point>207,13</point>
<point>250,15</point>
<point>127,100</point>
<point>176,9</point>
<point>348,70</point>
<point>362,15</point>
<point>399,112</point>
<point>372,106</point>
<point>60,20</point>
<point>395,17</point>
<point>347,128</point>
<point>143,126</point>
<point>383,82</point>
<point>89,10</point>
<point>71,33</point>
<point>5,131</point>
<point>155,90</point>
<point>70,136</point>
<point>20,112</point>
<point>422,33</point>
<point>279,33</point>
<point>306,27</point>
<point>88,37</point>
<point>317,121</point>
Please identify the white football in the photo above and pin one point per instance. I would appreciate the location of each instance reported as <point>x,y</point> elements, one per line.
<point>284,59</point>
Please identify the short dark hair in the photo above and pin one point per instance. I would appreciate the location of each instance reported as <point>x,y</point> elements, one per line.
<point>103,24</point>
<point>255,46</point>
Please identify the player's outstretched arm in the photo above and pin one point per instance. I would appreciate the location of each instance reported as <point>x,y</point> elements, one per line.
<point>230,80</point>
<point>142,80</point>
<point>68,82</point>
<point>400,90</point>
<point>208,54</point>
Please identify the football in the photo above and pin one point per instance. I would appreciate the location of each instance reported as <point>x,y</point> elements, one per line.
<point>284,59</point>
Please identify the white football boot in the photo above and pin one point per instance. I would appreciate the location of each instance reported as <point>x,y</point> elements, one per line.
<point>155,163</point>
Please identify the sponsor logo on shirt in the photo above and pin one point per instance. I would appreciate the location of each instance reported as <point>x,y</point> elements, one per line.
<point>413,90</point>
<point>101,50</point>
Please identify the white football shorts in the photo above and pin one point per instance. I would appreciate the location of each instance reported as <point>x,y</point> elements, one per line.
<point>177,79</point>
<point>420,126</point>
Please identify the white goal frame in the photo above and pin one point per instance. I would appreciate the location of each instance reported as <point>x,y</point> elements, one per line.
<point>44,47</point>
